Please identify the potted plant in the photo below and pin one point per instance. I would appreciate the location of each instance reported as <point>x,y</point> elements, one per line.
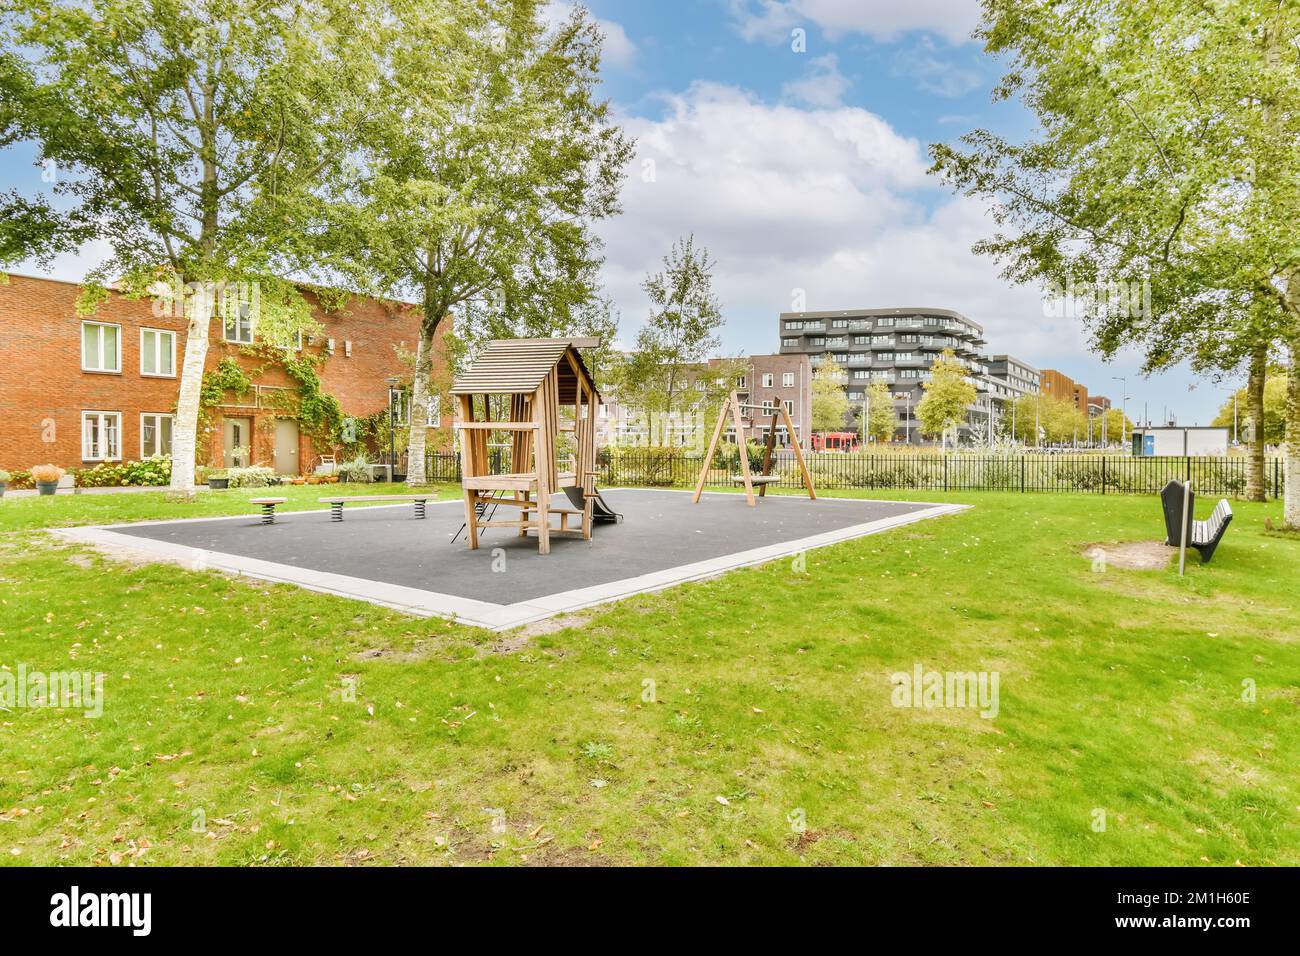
<point>47,478</point>
<point>219,480</point>
<point>4,481</point>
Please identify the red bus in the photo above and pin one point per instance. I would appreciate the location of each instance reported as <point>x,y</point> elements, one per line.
<point>834,441</point>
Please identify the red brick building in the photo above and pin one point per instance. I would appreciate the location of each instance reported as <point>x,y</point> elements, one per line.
<point>76,391</point>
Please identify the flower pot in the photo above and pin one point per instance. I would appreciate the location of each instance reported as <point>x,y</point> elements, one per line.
<point>218,484</point>
<point>47,487</point>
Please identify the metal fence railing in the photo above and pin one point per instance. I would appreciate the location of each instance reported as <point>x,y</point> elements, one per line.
<point>1094,474</point>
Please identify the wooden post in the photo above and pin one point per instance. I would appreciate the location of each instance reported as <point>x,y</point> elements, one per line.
<point>768,447</point>
<point>469,468</point>
<point>713,446</point>
<point>740,445</point>
<point>544,456</point>
<point>798,454</point>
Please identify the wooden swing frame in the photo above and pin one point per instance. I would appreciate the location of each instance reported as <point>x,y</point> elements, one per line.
<point>732,407</point>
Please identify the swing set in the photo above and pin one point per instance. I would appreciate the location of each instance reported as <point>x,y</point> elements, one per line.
<point>732,407</point>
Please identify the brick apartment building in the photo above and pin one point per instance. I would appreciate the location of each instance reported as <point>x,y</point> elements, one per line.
<point>77,391</point>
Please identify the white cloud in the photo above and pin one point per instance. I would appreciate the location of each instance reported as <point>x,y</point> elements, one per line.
<point>883,20</point>
<point>937,71</point>
<point>823,85</point>
<point>617,50</point>
<point>832,201</point>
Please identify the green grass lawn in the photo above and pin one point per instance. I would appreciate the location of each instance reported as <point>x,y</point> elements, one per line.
<point>747,719</point>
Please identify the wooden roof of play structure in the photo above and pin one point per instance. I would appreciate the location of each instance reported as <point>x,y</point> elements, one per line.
<point>518,366</point>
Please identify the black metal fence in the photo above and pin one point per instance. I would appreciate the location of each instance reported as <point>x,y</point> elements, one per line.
<point>1095,474</point>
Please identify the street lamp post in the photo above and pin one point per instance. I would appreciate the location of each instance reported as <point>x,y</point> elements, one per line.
<point>392,382</point>
<point>1123,422</point>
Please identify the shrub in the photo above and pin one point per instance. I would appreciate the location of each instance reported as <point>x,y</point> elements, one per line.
<point>47,473</point>
<point>4,475</point>
<point>149,472</point>
<point>256,476</point>
<point>358,469</point>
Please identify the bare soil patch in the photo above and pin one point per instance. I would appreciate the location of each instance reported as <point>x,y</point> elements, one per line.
<point>1133,555</point>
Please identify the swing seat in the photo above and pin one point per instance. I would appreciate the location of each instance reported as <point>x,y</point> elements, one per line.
<point>755,479</point>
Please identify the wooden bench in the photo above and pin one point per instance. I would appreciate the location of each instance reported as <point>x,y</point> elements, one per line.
<point>1205,535</point>
<point>336,503</point>
<point>268,507</point>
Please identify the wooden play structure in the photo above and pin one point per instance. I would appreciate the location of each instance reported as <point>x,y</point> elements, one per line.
<point>732,407</point>
<point>520,388</point>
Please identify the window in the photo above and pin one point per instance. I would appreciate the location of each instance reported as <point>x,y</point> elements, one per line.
<point>155,435</point>
<point>767,379</point>
<point>839,323</point>
<point>789,343</point>
<point>861,340</point>
<point>861,373</point>
<point>768,406</point>
<point>101,436</point>
<point>817,340</point>
<point>433,411</point>
<point>101,347</point>
<point>787,379</point>
<point>158,353</point>
<point>741,382</point>
<point>884,323</point>
<point>789,406</point>
<point>238,324</point>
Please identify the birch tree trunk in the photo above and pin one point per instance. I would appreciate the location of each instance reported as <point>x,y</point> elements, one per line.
<point>1255,406</point>
<point>415,473</point>
<point>198,307</point>
<point>1291,483</point>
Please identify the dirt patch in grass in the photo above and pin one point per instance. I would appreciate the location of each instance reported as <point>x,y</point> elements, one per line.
<point>1133,555</point>
<point>521,637</point>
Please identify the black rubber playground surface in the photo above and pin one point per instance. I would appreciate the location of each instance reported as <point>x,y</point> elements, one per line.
<point>661,530</point>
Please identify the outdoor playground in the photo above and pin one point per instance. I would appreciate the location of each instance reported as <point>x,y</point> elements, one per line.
<point>700,682</point>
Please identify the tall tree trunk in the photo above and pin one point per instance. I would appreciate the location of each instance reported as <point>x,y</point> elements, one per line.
<point>198,306</point>
<point>1255,406</point>
<point>415,473</point>
<point>1291,487</point>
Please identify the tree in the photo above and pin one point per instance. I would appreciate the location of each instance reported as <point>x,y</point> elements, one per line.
<point>948,395</point>
<point>830,403</point>
<point>1112,426</point>
<point>193,138</point>
<point>685,318</point>
<point>1239,410</point>
<point>880,420</point>
<point>488,158</point>
<point>1166,164</point>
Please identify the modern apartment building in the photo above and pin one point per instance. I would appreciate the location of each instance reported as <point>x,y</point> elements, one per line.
<point>1059,385</point>
<point>80,390</point>
<point>766,381</point>
<point>897,347</point>
<point>1012,378</point>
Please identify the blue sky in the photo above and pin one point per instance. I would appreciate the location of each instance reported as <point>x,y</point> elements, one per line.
<point>804,172</point>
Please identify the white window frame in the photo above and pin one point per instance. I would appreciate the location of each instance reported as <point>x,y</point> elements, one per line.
<point>433,411</point>
<point>741,383</point>
<point>767,379</point>
<point>101,370</point>
<point>787,379</point>
<point>146,452</point>
<point>158,352</point>
<point>789,405</point>
<point>102,416</point>
<point>242,317</point>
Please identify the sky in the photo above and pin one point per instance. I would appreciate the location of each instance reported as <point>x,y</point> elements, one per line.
<point>790,138</point>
